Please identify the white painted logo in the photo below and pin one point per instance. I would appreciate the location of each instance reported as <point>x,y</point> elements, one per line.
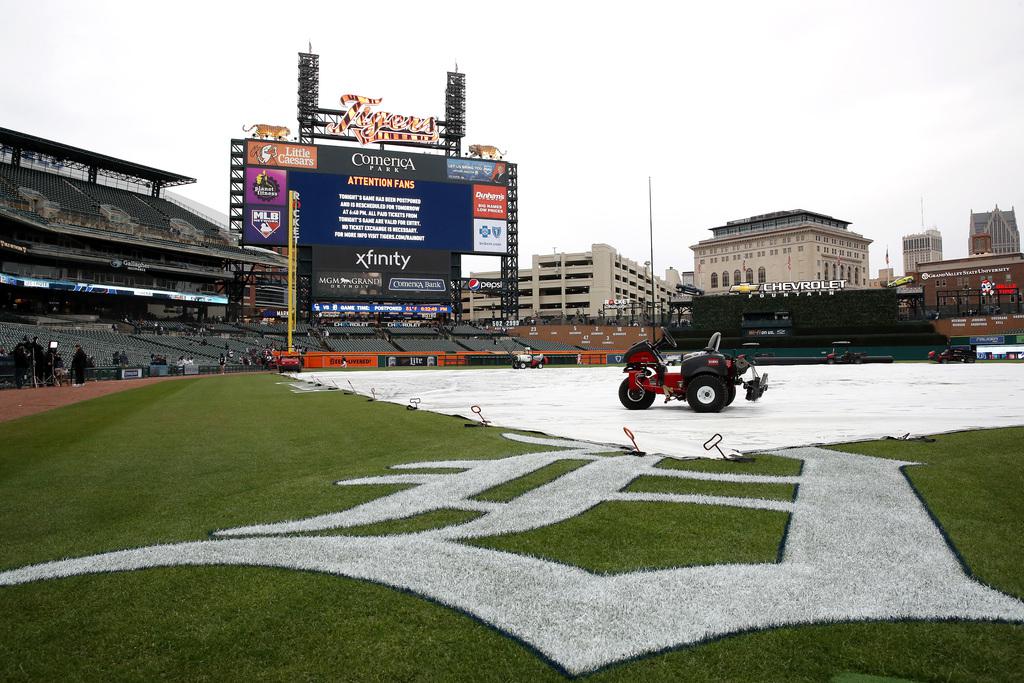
<point>860,546</point>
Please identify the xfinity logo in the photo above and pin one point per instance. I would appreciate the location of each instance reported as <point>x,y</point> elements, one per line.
<point>378,162</point>
<point>371,258</point>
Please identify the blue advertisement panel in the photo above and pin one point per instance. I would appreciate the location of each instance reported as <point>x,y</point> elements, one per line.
<point>405,309</point>
<point>990,339</point>
<point>363,211</point>
<point>375,199</point>
<point>478,170</point>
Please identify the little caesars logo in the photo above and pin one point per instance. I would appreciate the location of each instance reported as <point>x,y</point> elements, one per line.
<point>259,153</point>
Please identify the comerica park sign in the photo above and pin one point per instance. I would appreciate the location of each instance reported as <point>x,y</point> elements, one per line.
<point>808,287</point>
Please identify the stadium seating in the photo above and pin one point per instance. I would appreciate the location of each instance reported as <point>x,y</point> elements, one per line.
<point>497,345</point>
<point>103,343</point>
<point>84,197</point>
<point>428,345</point>
<point>470,331</point>
<point>359,345</point>
<point>551,345</point>
<point>123,200</point>
<point>425,332</point>
<point>54,187</point>
<point>353,330</point>
<point>171,210</point>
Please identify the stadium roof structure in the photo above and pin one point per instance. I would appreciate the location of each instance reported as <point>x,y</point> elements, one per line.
<point>92,161</point>
<point>777,220</point>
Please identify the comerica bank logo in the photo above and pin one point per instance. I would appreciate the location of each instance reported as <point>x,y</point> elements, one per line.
<point>380,162</point>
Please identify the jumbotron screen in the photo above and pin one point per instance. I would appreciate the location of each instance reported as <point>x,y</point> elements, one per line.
<point>364,198</point>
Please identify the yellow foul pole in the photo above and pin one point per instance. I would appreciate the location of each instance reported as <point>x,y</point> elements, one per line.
<point>291,268</point>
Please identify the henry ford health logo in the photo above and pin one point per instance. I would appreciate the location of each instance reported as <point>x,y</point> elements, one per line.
<point>844,558</point>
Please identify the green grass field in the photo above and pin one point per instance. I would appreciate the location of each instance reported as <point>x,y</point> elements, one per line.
<point>172,461</point>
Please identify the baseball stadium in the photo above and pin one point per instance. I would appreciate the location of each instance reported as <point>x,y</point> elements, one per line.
<point>306,441</point>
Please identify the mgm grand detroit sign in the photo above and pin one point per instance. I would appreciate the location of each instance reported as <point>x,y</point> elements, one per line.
<point>803,288</point>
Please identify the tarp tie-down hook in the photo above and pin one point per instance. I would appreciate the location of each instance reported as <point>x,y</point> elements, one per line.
<point>636,449</point>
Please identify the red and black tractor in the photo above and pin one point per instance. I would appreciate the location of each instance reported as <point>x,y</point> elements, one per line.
<point>707,379</point>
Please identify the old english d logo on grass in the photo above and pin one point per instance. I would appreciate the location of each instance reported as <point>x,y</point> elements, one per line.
<point>860,546</point>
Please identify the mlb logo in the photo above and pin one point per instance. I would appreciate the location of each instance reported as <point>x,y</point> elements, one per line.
<point>266,221</point>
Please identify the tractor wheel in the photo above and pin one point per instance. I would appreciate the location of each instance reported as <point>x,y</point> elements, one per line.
<point>858,360</point>
<point>830,361</point>
<point>540,366</point>
<point>730,393</point>
<point>635,399</point>
<point>706,394</point>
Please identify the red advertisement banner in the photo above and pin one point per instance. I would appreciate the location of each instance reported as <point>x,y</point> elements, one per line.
<point>490,201</point>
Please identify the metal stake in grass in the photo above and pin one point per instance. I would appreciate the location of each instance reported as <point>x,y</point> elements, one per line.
<point>733,456</point>
<point>373,395</point>
<point>483,422</point>
<point>414,404</point>
<point>636,449</point>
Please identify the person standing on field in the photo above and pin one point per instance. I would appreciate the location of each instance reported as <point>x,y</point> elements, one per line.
<point>78,363</point>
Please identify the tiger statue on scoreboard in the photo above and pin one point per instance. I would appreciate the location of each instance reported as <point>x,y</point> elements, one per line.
<point>486,152</point>
<point>264,130</point>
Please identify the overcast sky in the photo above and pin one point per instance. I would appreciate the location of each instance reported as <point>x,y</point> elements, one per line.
<point>855,109</point>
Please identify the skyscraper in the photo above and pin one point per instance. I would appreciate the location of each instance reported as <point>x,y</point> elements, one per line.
<point>1000,226</point>
<point>921,247</point>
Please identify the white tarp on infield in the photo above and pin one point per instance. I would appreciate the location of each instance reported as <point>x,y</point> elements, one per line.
<point>804,404</point>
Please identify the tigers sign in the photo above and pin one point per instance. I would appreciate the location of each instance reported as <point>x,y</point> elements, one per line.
<point>370,126</point>
<point>263,153</point>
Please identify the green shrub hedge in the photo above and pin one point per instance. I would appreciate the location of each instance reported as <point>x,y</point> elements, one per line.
<point>847,310</point>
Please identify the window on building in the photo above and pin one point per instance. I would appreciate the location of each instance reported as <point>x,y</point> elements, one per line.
<point>714,280</point>
<point>761,276</point>
<point>736,277</point>
<point>750,275</point>
<point>725,278</point>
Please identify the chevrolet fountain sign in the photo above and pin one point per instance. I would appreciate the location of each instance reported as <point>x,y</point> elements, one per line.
<point>786,288</point>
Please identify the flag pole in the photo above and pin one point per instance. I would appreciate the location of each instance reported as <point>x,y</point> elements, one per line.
<point>654,296</point>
